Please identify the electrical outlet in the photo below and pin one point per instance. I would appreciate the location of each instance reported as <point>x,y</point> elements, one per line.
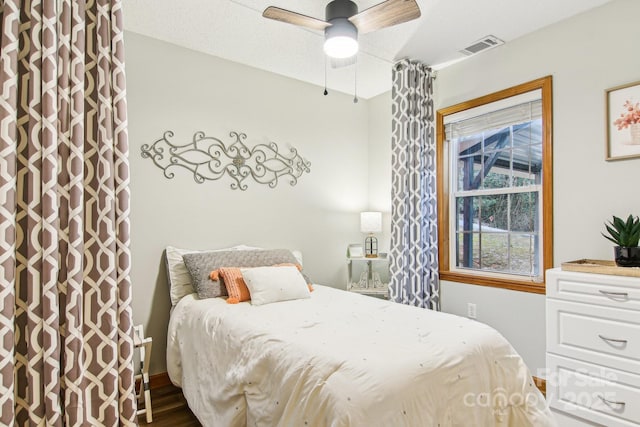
<point>471,310</point>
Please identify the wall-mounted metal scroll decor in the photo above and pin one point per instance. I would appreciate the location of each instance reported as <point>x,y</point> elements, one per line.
<point>209,159</point>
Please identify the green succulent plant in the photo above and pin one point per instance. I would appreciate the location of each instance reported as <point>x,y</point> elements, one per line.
<point>624,233</point>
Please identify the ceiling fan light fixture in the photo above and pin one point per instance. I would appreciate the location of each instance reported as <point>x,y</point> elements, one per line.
<point>341,39</point>
<point>340,47</point>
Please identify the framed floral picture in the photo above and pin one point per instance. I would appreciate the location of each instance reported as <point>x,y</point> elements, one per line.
<point>623,121</point>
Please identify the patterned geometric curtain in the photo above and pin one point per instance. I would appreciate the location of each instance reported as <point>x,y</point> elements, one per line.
<point>414,217</point>
<point>66,348</point>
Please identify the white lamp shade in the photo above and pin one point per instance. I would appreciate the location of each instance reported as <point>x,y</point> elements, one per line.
<point>371,222</point>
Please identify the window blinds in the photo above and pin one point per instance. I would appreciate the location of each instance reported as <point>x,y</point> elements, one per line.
<point>496,115</point>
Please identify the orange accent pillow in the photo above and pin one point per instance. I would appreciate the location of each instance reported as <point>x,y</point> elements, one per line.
<point>299,267</point>
<point>236,287</point>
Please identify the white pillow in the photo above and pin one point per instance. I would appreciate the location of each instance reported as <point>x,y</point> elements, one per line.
<point>177,274</point>
<point>272,284</point>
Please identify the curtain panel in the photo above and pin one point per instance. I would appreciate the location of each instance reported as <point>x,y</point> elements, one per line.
<point>414,216</point>
<point>66,347</point>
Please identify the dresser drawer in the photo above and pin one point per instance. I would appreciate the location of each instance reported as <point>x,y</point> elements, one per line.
<point>608,290</point>
<point>602,335</point>
<point>605,396</point>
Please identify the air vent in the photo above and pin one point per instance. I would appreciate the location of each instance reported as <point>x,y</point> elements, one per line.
<point>484,43</point>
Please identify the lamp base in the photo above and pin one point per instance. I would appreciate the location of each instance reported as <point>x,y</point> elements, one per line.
<point>370,247</point>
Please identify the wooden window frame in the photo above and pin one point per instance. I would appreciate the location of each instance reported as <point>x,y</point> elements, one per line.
<point>443,166</point>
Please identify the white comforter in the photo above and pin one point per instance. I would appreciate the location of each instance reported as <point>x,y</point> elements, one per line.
<point>342,359</point>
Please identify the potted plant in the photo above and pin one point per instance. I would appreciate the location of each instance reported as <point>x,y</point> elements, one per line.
<point>626,235</point>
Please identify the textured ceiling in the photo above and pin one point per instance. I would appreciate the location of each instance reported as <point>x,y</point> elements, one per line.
<point>235,30</point>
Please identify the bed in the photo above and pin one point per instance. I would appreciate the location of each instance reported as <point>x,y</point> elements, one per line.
<point>344,359</point>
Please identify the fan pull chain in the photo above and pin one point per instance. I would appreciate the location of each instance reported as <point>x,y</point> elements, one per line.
<point>355,82</point>
<point>325,76</point>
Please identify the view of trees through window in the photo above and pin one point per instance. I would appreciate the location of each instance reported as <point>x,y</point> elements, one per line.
<point>497,199</point>
<point>495,210</point>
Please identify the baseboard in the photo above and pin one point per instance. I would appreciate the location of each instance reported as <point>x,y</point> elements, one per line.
<point>541,384</point>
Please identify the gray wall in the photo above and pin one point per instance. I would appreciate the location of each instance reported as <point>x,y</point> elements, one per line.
<point>380,162</point>
<point>585,55</point>
<point>172,88</point>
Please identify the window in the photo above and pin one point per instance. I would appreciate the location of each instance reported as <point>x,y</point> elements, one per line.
<point>495,188</point>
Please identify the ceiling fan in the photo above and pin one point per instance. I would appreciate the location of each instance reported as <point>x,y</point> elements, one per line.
<point>343,22</point>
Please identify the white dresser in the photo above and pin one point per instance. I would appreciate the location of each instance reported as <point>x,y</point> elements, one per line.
<point>593,347</point>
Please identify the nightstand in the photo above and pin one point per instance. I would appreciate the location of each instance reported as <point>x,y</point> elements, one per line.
<point>143,344</point>
<point>369,276</point>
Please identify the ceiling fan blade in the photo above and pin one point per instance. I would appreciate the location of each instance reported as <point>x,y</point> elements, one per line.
<point>385,14</point>
<point>343,62</point>
<point>294,18</point>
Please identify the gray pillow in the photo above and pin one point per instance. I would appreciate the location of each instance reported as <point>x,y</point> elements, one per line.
<point>201,264</point>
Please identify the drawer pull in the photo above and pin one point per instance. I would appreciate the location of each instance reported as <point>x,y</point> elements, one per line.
<point>612,339</point>
<point>611,402</point>
<point>614,294</point>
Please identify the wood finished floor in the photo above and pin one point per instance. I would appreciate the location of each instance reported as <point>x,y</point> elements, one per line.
<point>169,409</point>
